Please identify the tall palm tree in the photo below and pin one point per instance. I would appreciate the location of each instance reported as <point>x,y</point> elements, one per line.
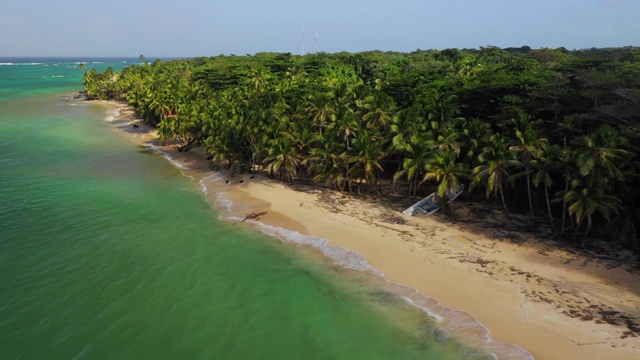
<point>345,126</point>
<point>495,161</point>
<point>367,159</point>
<point>530,147</point>
<point>550,163</point>
<point>414,165</point>
<point>283,159</point>
<point>328,162</point>
<point>445,169</point>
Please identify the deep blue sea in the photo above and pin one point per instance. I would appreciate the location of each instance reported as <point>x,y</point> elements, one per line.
<point>107,251</point>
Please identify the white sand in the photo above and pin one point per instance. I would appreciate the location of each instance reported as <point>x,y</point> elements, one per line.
<point>522,292</point>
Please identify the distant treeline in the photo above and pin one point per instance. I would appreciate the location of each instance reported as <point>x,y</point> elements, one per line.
<point>547,131</point>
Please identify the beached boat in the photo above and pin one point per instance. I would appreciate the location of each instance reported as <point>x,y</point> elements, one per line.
<point>429,204</point>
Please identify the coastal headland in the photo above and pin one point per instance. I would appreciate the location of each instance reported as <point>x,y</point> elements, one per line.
<point>526,290</point>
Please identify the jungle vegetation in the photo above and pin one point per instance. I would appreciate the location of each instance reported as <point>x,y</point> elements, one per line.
<point>548,132</point>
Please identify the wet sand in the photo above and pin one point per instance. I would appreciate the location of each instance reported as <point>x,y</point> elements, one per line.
<point>554,303</point>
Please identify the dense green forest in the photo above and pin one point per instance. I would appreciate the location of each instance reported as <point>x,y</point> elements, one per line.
<point>548,132</point>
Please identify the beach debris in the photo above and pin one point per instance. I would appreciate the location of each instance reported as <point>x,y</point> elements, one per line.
<point>254,216</point>
<point>135,126</point>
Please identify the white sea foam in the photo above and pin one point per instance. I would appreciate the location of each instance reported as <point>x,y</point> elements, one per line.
<point>224,205</point>
<point>114,114</point>
<point>426,310</point>
<point>452,321</point>
<point>203,187</point>
<point>212,177</point>
<point>12,64</point>
<point>339,255</point>
<point>167,156</point>
<point>57,76</point>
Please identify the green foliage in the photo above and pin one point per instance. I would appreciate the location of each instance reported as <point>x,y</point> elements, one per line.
<point>516,124</point>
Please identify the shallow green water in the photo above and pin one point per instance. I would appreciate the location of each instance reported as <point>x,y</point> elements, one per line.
<point>108,251</point>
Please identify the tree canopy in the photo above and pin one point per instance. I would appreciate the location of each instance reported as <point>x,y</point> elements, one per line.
<point>545,131</point>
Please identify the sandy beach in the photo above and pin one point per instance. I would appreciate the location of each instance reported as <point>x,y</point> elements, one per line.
<point>552,302</point>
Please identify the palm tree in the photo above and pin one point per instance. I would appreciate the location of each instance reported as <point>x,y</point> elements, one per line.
<point>443,111</point>
<point>418,154</point>
<point>283,159</point>
<point>260,80</point>
<point>328,162</point>
<point>448,140</point>
<point>444,168</point>
<point>379,109</point>
<point>345,126</point>
<point>600,160</point>
<point>406,125</point>
<point>477,132</point>
<point>493,170</point>
<point>321,110</point>
<point>530,146</point>
<point>583,204</point>
<point>367,159</point>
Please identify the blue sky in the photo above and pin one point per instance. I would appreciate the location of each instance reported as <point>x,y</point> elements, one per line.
<point>186,28</point>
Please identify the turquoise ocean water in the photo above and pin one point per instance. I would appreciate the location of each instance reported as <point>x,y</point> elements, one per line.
<point>107,251</point>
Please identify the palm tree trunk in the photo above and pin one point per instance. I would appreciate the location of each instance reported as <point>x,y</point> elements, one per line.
<point>576,232</point>
<point>533,214</point>
<point>564,209</point>
<point>584,239</point>
<point>504,203</point>
<point>546,195</point>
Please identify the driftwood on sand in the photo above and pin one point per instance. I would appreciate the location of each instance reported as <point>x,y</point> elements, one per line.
<point>254,216</point>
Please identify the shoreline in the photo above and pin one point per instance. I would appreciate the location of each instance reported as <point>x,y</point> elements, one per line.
<point>552,303</point>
